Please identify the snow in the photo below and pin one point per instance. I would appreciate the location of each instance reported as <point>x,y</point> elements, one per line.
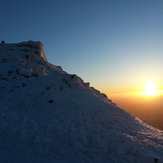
<point>48,115</point>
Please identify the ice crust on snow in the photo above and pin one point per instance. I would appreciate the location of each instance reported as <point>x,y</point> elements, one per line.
<point>48,115</point>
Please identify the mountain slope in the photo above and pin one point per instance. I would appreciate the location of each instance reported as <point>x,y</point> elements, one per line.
<point>47,115</point>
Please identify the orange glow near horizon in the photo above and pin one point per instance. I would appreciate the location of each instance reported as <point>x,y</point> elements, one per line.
<point>146,105</point>
<point>150,93</point>
<point>151,90</point>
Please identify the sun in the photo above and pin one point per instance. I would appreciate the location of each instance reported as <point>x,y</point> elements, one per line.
<point>150,88</point>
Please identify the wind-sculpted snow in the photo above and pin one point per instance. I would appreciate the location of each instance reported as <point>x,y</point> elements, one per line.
<point>49,116</point>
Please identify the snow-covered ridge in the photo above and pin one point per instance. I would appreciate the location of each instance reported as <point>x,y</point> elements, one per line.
<point>20,61</point>
<point>48,115</point>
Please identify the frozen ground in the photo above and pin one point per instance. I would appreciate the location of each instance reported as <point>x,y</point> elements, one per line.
<point>49,116</point>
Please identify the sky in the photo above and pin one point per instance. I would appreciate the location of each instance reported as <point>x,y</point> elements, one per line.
<point>116,45</point>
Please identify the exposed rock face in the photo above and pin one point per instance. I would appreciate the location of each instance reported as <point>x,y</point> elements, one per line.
<point>48,115</point>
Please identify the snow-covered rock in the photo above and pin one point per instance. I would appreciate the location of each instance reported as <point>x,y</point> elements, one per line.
<point>50,116</point>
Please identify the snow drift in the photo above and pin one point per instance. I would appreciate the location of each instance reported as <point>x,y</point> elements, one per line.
<point>49,116</point>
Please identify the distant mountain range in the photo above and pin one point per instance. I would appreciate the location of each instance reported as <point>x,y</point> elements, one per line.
<point>50,116</point>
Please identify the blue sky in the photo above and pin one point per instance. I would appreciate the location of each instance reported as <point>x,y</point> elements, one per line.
<point>116,45</point>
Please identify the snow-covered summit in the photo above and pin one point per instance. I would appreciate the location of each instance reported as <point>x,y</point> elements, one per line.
<point>30,46</point>
<point>48,115</point>
<point>29,56</point>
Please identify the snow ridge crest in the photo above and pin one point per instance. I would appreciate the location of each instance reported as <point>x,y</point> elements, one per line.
<point>26,46</point>
<point>27,60</point>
